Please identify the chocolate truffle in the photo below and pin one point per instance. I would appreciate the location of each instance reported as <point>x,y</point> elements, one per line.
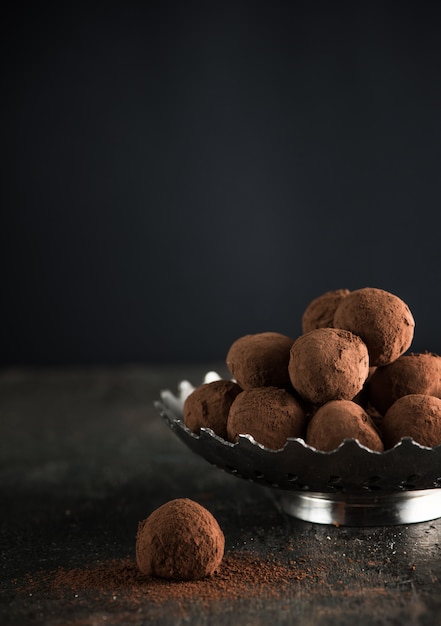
<point>416,415</point>
<point>181,540</point>
<point>208,406</point>
<point>362,396</point>
<point>410,374</point>
<point>338,420</point>
<point>260,360</point>
<point>328,364</point>
<point>269,414</point>
<point>381,319</point>
<point>320,312</point>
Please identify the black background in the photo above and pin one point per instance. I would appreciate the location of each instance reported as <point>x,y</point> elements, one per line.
<point>178,174</point>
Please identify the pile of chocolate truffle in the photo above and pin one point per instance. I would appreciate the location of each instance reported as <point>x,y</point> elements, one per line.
<point>346,377</point>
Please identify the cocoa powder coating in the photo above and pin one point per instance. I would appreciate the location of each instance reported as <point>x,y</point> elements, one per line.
<point>410,374</point>
<point>269,414</point>
<point>381,319</point>
<point>260,360</point>
<point>320,312</point>
<point>417,416</point>
<point>208,406</point>
<point>328,364</point>
<point>338,420</point>
<point>181,540</point>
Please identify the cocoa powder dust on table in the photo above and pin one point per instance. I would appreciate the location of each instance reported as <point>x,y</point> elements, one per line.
<point>241,575</point>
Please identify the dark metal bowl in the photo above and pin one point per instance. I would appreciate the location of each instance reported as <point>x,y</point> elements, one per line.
<point>351,485</point>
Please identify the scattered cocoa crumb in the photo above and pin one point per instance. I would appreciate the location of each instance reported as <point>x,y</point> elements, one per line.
<point>240,575</point>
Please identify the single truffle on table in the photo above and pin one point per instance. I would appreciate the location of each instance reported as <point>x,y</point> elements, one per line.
<point>269,414</point>
<point>338,420</point>
<point>328,364</point>
<point>180,540</point>
<point>208,406</point>
<point>381,319</point>
<point>416,415</point>
<point>260,360</point>
<point>409,374</point>
<point>320,312</point>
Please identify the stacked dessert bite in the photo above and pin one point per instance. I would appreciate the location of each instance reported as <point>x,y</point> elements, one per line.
<point>345,377</point>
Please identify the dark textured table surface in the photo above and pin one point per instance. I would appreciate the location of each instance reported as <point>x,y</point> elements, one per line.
<point>84,457</point>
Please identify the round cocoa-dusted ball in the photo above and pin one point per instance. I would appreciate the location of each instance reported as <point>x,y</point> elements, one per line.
<point>381,319</point>
<point>320,312</point>
<point>338,420</point>
<point>208,406</point>
<point>409,374</point>
<point>180,540</point>
<point>269,414</point>
<point>328,364</point>
<point>260,360</point>
<point>416,415</point>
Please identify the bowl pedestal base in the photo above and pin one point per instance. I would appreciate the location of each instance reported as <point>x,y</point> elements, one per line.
<point>369,509</point>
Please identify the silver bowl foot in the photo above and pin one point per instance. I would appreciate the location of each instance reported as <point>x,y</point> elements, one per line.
<point>361,510</point>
